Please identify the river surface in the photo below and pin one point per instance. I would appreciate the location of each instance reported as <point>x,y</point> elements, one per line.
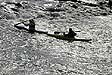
<point>22,53</point>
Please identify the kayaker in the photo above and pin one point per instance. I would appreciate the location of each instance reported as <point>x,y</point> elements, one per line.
<point>31,26</point>
<point>70,34</point>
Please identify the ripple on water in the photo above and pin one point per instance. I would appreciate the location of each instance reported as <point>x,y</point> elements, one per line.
<point>19,43</point>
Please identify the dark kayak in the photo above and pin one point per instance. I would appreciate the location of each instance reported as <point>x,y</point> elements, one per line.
<point>68,39</point>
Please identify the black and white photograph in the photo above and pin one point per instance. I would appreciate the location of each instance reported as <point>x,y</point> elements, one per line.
<point>55,37</point>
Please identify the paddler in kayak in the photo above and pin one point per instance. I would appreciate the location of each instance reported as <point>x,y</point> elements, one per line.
<point>29,27</point>
<point>70,34</point>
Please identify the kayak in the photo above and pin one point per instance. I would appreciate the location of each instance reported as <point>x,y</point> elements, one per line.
<point>62,37</point>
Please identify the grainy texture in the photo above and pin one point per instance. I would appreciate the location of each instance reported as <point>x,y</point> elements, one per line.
<point>22,53</point>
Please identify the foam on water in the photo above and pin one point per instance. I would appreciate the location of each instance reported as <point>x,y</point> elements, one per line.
<point>106,18</point>
<point>90,1</point>
<point>49,0</point>
<point>47,5</point>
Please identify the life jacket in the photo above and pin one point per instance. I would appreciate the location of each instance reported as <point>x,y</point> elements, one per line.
<point>71,34</point>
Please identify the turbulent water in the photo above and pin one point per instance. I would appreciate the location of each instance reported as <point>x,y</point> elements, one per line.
<point>22,53</point>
